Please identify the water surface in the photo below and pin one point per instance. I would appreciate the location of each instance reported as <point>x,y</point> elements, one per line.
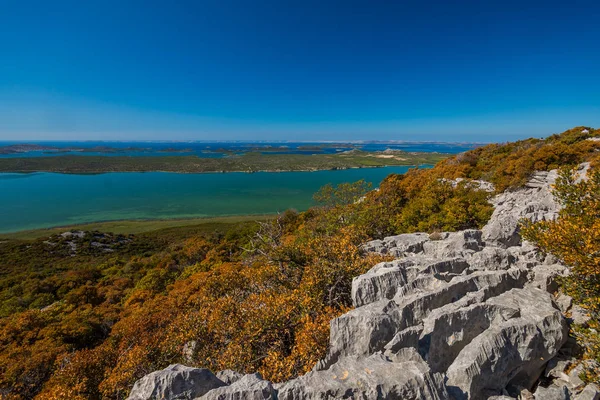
<point>42,200</point>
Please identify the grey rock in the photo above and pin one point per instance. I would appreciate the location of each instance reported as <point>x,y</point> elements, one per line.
<point>176,382</point>
<point>556,391</point>
<point>534,202</point>
<point>364,330</point>
<point>417,304</point>
<point>492,258</point>
<point>556,369</point>
<point>373,377</point>
<point>455,244</point>
<point>447,334</point>
<point>545,276</point>
<point>574,373</point>
<point>229,376</point>
<point>385,279</point>
<point>398,245</point>
<point>406,338</point>
<point>563,302</point>
<point>381,282</point>
<point>249,387</point>
<point>590,392</point>
<point>374,246</point>
<point>579,315</point>
<point>512,352</point>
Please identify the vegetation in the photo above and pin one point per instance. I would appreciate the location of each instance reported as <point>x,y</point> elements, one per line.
<point>509,165</point>
<point>575,239</point>
<point>187,227</point>
<point>248,162</point>
<point>83,320</point>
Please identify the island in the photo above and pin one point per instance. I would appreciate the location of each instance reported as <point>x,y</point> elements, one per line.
<point>247,162</point>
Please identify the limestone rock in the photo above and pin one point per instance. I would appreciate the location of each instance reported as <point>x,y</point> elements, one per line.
<point>249,387</point>
<point>512,352</point>
<point>455,244</point>
<point>590,392</point>
<point>373,377</point>
<point>398,245</point>
<point>364,330</point>
<point>228,376</point>
<point>492,258</point>
<point>552,392</point>
<point>176,382</point>
<point>534,202</point>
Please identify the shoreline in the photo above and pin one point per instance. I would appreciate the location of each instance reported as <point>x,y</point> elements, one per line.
<point>219,172</point>
<point>133,226</point>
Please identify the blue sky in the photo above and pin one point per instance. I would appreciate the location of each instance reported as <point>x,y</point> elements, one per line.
<point>297,70</point>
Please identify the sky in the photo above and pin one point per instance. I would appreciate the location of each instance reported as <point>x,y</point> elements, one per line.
<point>297,70</point>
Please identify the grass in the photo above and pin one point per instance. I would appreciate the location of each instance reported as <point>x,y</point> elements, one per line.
<point>170,227</point>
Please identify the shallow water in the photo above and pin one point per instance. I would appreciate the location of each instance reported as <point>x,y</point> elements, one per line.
<point>41,200</point>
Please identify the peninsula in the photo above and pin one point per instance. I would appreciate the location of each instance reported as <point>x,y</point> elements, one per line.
<point>247,162</point>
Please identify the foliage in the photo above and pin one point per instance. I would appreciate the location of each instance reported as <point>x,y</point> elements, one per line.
<point>510,165</point>
<point>575,239</point>
<point>79,321</point>
<point>343,194</point>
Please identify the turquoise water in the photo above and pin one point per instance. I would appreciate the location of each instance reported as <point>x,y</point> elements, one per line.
<point>41,200</point>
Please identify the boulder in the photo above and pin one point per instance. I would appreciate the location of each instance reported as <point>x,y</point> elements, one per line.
<point>455,244</point>
<point>229,376</point>
<point>386,279</point>
<point>513,352</point>
<point>398,245</point>
<point>492,258</point>
<point>249,387</point>
<point>364,330</point>
<point>372,377</point>
<point>590,392</point>
<point>555,391</point>
<point>176,382</point>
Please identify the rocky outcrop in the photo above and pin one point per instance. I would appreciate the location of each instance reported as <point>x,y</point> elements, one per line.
<point>176,382</point>
<point>462,315</point>
<point>371,377</point>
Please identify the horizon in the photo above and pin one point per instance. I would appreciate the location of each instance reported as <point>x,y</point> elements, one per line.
<point>307,71</point>
<point>341,141</point>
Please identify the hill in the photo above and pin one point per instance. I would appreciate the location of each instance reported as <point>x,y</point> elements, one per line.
<point>87,323</point>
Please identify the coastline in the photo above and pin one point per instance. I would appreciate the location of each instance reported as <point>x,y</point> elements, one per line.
<point>248,163</point>
<point>25,172</point>
<point>134,226</point>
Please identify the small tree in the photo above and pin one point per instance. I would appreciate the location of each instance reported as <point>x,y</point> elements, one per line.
<point>343,194</point>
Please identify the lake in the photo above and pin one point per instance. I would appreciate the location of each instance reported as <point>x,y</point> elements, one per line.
<point>42,200</point>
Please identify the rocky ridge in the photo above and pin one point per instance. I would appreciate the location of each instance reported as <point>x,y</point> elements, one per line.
<point>463,315</point>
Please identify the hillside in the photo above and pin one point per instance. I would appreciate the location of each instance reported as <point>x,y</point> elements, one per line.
<point>86,323</point>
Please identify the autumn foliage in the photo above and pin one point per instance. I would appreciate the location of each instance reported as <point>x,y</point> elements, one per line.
<point>249,297</point>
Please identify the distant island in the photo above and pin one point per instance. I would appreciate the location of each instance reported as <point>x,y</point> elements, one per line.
<point>28,148</point>
<point>253,161</point>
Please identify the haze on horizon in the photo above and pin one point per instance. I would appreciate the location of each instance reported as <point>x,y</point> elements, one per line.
<point>298,70</point>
